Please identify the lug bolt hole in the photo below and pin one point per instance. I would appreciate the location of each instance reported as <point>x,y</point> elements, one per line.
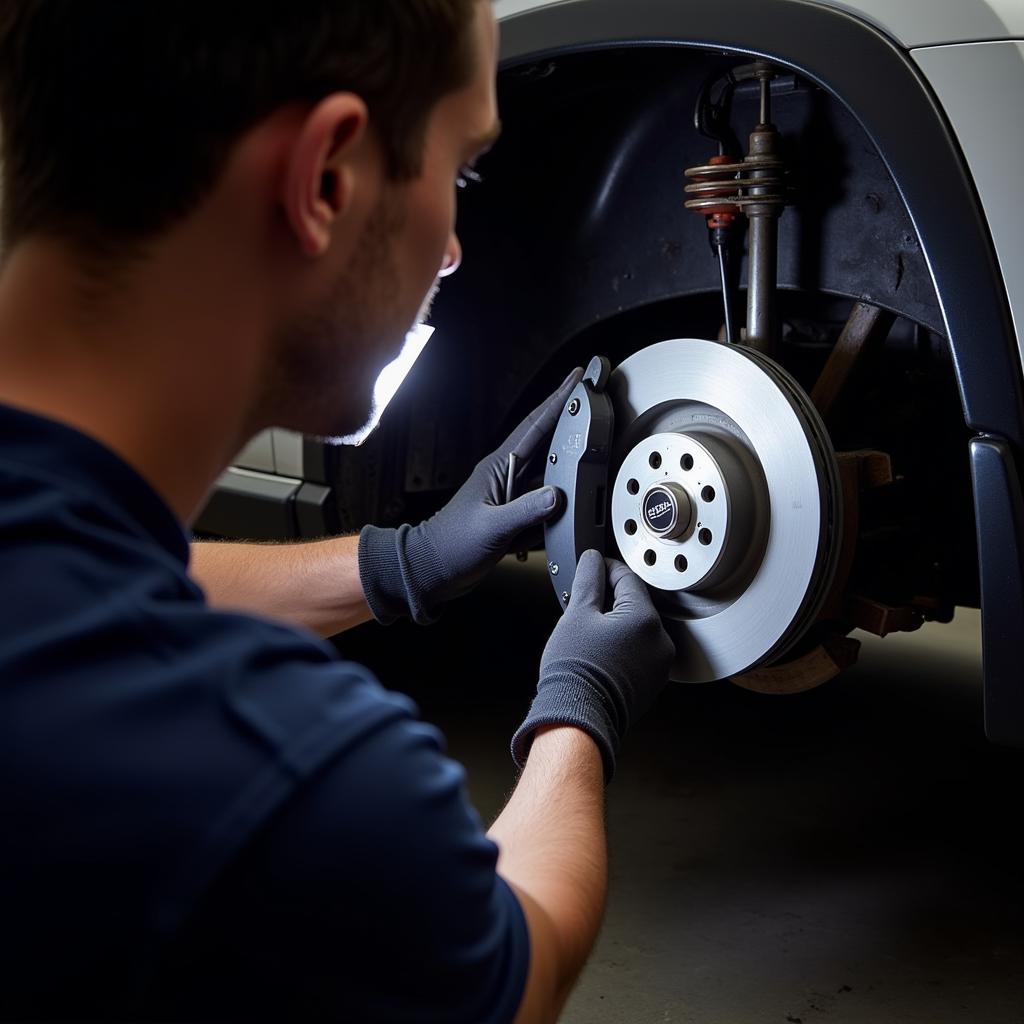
<point>686,462</point>
<point>681,563</point>
<point>633,486</point>
<point>650,557</point>
<point>630,527</point>
<point>708,494</point>
<point>655,460</point>
<point>704,536</point>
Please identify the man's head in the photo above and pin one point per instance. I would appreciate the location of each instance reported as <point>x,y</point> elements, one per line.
<point>326,134</point>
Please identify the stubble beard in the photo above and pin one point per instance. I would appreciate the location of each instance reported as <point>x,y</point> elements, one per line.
<point>328,359</point>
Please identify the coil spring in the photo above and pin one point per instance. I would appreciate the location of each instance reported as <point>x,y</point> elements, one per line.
<point>715,184</point>
<point>721,187</point>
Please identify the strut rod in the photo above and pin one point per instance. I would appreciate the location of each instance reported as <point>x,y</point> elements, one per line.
<point>763,240</point>
<point>726,187</point>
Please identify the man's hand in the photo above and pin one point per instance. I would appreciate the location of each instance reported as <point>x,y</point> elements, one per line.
<point>413,570</point>
<point>601,669</point>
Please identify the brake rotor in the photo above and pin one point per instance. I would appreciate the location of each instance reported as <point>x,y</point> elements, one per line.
<point>725,499</point>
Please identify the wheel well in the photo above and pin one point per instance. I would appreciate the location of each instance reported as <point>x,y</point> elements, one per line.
<point>578,242</point>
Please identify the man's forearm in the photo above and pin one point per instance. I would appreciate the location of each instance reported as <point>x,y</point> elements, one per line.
<point>315,585</point>
<point>553,852</point>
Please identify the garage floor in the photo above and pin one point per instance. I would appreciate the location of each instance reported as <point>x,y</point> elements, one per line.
<point>848,855</point>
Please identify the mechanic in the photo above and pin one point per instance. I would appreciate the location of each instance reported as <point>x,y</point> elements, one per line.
<point>218,217</point>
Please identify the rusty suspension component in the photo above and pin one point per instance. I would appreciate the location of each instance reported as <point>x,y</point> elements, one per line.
<point>725,187</point>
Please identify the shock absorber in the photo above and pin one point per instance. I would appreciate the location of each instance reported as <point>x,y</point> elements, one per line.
<point>756,186</point>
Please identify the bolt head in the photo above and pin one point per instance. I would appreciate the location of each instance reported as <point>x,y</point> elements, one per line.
<point>574,407</point>
<point>553,459</point>
<point>565,596</point>
<point>553,568</point>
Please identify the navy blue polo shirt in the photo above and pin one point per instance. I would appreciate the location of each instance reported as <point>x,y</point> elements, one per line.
<point>209,815</point>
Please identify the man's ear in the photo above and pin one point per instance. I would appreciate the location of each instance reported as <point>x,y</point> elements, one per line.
<point>324,168</point>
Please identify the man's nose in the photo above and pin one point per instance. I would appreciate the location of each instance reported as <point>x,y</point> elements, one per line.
<point>452,257</point>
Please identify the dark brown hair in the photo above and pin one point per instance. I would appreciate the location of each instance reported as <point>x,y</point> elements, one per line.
<point>118,115</point>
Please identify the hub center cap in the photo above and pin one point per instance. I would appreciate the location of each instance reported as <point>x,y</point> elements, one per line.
<point>667,510</point>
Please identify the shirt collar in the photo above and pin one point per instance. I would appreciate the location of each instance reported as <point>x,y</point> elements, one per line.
<point>63,456</point>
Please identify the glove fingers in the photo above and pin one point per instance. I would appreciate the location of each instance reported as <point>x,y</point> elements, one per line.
<point>616,570</point>
<point>527,511</point>
<point>589,586</point>
<point>541,422</point>
<point>629,592</point>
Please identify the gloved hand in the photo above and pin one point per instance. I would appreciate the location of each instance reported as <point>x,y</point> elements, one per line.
<point>600,670</point>
<point>415,569</point>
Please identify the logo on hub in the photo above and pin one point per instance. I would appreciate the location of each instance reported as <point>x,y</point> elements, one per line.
<point>660,510</point>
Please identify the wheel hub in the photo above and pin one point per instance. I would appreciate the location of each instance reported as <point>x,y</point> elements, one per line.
<point>671,505</point>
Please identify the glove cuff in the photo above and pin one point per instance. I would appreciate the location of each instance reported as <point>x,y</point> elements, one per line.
<point>565,698</point>
<point>399,571</point>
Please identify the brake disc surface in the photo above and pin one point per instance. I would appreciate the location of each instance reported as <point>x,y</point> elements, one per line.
<point>725,499</point>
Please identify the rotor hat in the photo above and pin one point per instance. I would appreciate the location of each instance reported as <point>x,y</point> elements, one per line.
<point>677,489</point>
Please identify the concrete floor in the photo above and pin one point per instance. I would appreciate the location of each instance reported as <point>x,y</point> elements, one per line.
<point>847,855</point>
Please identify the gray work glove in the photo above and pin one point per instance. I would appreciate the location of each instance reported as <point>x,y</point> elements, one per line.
<point>415,569</point>
<point>600,670</point>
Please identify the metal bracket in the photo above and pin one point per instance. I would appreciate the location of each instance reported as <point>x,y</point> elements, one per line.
<point>578,467</point>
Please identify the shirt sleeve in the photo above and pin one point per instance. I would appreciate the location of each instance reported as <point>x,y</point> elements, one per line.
<point>372,896</point>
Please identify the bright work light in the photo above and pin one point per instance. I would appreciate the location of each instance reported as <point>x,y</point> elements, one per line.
<point>390,380</point>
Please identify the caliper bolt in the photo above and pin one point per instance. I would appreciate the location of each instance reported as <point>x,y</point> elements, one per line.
<point>553,568</point>
<point>574,407</point>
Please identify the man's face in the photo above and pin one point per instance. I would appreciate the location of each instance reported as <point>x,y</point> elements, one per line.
<point>333,353</point>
